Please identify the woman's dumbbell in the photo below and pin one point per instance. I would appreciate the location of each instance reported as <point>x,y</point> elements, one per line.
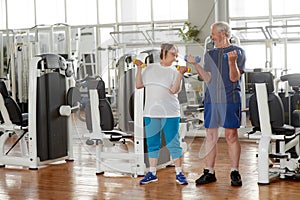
<point>197,58</point>
<point>135,60</point>
<point>188,68</point>
<point>238,53</point>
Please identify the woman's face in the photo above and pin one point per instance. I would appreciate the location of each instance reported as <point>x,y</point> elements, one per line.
<point>171,56</point>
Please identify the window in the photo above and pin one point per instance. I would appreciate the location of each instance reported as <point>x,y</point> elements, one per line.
<point>105,63</point>
<point>292,57</point>
<point>81,12</point>
<point>248,8</point>
<point>106,39</point>
<point>50,12</point>
<point>283,7</point>
<point>2,15</point>
<point>107,11</point>
<point>134,10</point>
<point>170,9</point>
<point>255,56</point>
<point>281,25</point>
<point>20,14</point>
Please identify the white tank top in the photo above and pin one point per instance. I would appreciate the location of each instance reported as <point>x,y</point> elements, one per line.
<point>159,101</point>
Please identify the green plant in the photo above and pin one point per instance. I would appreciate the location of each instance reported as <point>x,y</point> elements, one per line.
<point>189,32</point>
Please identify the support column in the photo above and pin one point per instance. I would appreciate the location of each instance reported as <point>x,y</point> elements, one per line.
<point>221,10</point>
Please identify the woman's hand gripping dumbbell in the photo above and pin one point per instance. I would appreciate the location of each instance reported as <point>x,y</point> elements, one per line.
<point>139,63</point>
<point>183,69</point>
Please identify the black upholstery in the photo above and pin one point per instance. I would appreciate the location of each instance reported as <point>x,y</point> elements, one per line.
<point>275,105</point>
<point>51,61</point>
<point>293,100</point>
<point>51,127</point>
<point>15,114</point>
<point>293,80</point>
<point>106,115</point>
<point>105,111</point>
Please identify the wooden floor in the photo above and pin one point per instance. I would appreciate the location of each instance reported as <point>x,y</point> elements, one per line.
<point>77,179</point>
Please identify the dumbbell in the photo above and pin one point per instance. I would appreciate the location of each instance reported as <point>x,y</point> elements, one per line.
<point>134,62</point>
<point>238,53</point>
<point>197,58</point>
<point>188,68</point>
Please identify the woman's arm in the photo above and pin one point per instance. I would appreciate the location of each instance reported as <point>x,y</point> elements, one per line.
<point>175,88</point>
<point>138,77</point>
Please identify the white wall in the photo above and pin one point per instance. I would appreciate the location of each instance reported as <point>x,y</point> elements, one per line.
<point>199,11</point>
<point>201,15</point>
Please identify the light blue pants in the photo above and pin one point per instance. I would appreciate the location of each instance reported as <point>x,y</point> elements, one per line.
<point>170,128</point>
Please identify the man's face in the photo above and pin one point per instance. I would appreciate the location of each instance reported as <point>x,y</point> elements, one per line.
<point>218,37</point>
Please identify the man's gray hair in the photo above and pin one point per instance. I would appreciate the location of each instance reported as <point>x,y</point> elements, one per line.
<point>223,26</point>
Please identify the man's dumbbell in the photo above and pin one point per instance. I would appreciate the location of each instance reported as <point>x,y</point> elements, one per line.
<point>197,58</point>
<point>238,53</point>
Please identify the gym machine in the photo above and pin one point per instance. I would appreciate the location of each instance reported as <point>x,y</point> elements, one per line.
<point>267,117</point>
<point>45,133</point>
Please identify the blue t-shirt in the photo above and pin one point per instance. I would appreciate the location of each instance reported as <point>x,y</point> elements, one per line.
<point>221,89</point>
